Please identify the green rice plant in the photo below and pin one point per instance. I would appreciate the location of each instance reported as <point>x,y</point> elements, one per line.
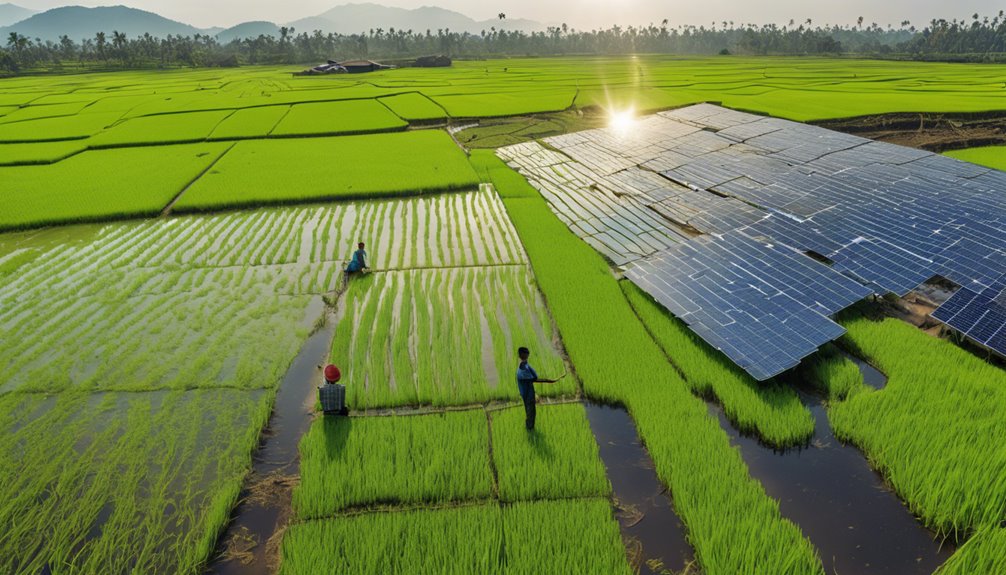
<point>563,537</point>
<point>985,552</point>
<point>39,152</point>
<point>162,129</point>
<point>342,117</point>
<point>833,373</point>
<point>298,170</point>
<point>53,129</point>
<point>441,337</point>
<point>732,524</point>
<point>100,185</point>
<point>249,123</point>
<point>990,156</point>
<point>121,483</point>
<point>365,461</point>
<point>560,537</point>
<point>414,106</point>
<point>772,410</point>
<point>557,459</point>
<point>452,541</point>
<point>935,431</point>
<point>506,103</point>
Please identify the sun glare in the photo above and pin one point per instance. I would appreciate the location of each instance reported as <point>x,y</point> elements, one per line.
<point>622,120</point>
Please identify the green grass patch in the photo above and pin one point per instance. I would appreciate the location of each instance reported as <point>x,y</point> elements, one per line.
<point>249,123</point>
<point>458,541</point>
<point>732,524</point>
<point>298,170</point>
<point>989,156</point>
<point>62,128</point>
<point>985,552</point>
<point>562,537</point>
<point>414,107</point>
<point>364,461</point>
<point>163,129</point>
<point>936,430</point>
<point>121,483</point>
<point>442,337</point>
<point>101,184</point>
<point>331,118</point>
<point>830,371</point>
<point>39,152</point>
<point>557,459</point>
<point>772,410</point>
<point>506,103</point>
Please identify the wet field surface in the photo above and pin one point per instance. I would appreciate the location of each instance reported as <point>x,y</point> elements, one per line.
<point>265,499</point>
<point>858,524</point>
<point>654,535</point>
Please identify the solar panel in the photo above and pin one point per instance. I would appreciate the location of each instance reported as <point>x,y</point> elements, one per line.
<point>888,218</point>
<point>765,306</point>
<point>978,314</point>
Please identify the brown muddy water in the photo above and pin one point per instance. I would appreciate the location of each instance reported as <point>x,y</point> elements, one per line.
<point>250,544</point>
<point>652,532</point>
<point>844,507</point>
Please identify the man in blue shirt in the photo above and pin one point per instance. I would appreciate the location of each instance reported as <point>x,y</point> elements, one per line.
<point>526,378</point>
<point>358,263</point>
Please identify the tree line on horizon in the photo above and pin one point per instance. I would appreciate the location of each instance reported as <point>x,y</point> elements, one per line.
<point>978,39</point>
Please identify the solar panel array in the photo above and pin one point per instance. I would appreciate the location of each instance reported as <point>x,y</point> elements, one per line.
<point>885,216</point>
<point>765,322</point>
<point>978,314</point>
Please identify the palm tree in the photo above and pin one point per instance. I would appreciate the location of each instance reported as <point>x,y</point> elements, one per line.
<point>502,16</point>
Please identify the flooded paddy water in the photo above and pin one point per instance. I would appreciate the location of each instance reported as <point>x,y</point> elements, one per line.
<point>844,507</point>
<point>655,537</point>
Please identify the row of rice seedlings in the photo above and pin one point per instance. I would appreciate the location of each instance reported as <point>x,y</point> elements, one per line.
<point>345,117</point>
<point>558,459</point>
<point>363,461</point>
<point>249,123</point>
<point>257,172</point>
<point>418,337</point>
<point>834,374</point>
<point>162,129</point>
<point>101,184</point>
<point>121,483</point>
<point>577,536</point>
<point>985,552</point>
<point>935,431</point>
<point>771,410</point>
<point>732,524</point>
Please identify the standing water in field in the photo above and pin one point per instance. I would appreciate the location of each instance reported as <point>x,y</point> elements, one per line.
<point>841,504</point>
<point>647,519</point>
<point>265,500</point>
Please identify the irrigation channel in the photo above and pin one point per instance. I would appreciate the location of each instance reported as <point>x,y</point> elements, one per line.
<point>250,544</point>
<point>845,508</point>
<point>654,536</point>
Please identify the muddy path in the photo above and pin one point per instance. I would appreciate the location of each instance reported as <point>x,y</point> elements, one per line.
<point>935,132</point>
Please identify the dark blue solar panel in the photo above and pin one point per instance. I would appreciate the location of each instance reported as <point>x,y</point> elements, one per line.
<point>981,316</point>
<point>764,306</point>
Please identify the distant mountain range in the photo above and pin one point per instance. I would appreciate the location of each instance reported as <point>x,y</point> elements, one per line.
<point>11,14</point>
<point>79,22</point>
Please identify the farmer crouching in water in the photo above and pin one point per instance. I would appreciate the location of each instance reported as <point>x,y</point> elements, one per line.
<point>357,264</point>
<point>332,395</point>
<point>526,378</point>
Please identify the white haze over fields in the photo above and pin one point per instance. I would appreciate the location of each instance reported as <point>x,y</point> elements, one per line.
<point>582,14</point>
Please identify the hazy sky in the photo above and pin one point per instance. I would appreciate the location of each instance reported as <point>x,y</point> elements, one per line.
<point>584,14</point>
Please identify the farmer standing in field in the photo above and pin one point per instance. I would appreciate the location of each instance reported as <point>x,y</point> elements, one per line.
<point>526,378</point>
<point>358,263</point>
<point>332,395</point>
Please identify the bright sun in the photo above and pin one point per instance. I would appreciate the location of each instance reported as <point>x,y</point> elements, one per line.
<point>622,120</point>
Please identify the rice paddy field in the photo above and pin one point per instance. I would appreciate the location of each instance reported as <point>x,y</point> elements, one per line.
<point>169,242</point>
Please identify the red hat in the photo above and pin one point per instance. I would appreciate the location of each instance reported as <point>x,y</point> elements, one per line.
<point>332,373</point>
